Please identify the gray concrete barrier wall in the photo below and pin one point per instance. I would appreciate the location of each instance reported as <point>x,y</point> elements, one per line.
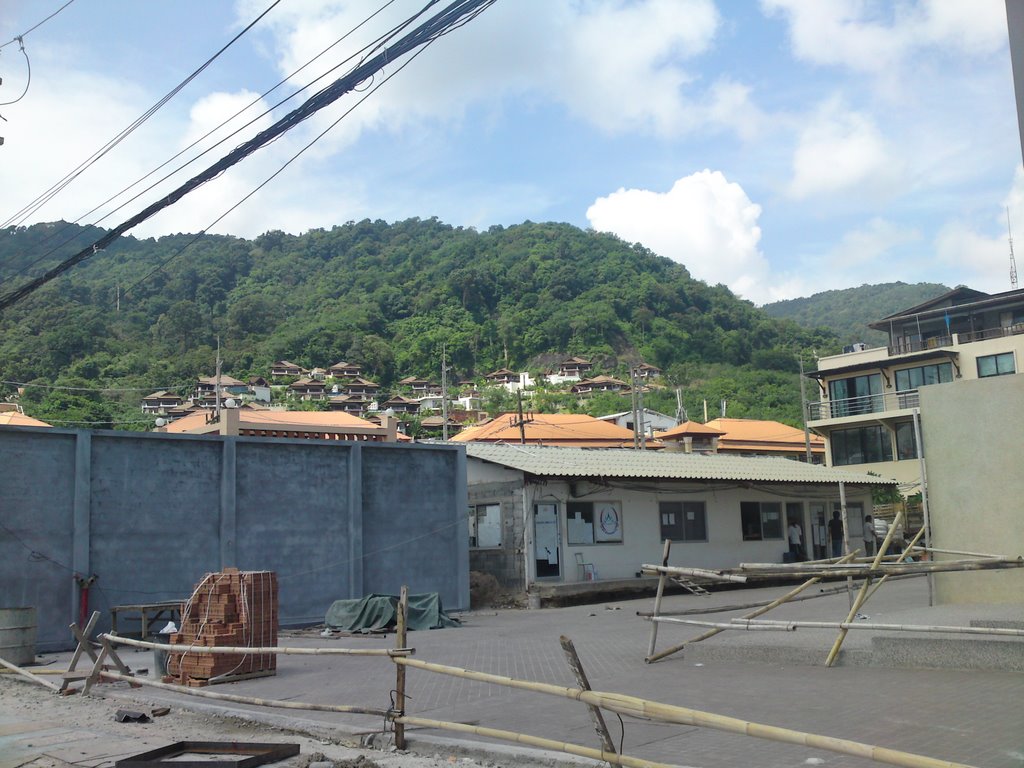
<point>149,514</point>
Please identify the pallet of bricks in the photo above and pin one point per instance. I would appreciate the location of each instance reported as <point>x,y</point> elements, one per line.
<point>230,608</point>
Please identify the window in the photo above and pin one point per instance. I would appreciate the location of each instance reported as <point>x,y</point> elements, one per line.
<point>857,394</point>
<point>906,441</point>
<point>683,520</point>
<point>996,365</point>
<point>594,522</point>
<point>485,526</point>
<point>864,445</point>
<point>923,375</point>
<point>761,520</point>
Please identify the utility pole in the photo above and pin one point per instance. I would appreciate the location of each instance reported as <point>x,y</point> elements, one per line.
<point>444,391</point>
<point>803,410</point>
<point>217,383</point>
<point>522,423</point>
<point>680,411</point>
<point>636,415</point>
<point>641,421</point>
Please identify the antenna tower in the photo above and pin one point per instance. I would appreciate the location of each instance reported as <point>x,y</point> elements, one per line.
<point>1013,261</point>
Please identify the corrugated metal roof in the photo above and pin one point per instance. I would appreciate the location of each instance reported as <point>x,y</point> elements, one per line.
<point>548,461</point>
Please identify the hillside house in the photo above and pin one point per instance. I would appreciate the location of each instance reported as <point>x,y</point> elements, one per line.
<point>283,368</point>
<point>307,389</point>
<point>161,402</point>
<point>560,515</point>
<point>599,384</point>
<point>653,421</point>
<point>400,404</point>
<point>646,371</point>
<point>343,370</point>
<point>420,387</point>
<point>575,366</point>
<point>357,405</point>
<point>356,385</point>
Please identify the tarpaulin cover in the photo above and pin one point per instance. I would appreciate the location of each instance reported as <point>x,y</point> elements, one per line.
<point>379,612</point>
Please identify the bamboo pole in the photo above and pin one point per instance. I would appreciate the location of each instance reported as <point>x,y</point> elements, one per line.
<point>400,631</point>
<point>276,703</point>
<point>846,535</point>
<point>535,741</point>
<point>28,675</point>
<point>952,551</point>
<point>662,576</point>
<point>644,708</point>
<point>952,630</point>
<point>864,570</point>
<point>283,650</point>
<point>581,680</point>
<point>720,626</point>
<point>862,595</point>
<point>699,573</point>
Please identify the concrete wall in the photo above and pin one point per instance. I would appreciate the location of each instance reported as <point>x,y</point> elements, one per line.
<point>972,447</point>
<point>149,514</point>
<point>641,528</point>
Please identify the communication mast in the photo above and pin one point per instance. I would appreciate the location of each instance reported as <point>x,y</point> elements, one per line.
<point>1013,261</point>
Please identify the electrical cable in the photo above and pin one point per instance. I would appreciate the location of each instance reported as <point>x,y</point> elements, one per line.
<point>36,204</point>
<point>426,32</point>
<point>28,79</point>
<point>188,385</point>
<point>368,47</point>
<point>38,25</point>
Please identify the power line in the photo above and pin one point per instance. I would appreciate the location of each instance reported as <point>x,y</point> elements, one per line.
<point>187,385</point>
<point>444,21</point>
<point>49,194</point>
<point>34,27</point>
<point>28,78</point>
<point>269,110</point>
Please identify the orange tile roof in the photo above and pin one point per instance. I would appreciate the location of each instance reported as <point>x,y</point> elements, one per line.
<point>688,428</point>
<point>751,434</point>
<point>271,419</point>
<point>17,419</point>
<point>566,429</point>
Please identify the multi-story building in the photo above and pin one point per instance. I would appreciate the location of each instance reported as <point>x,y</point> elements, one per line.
<point>869,397</point>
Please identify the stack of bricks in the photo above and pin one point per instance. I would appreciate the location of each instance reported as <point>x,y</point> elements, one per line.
<point>231,608</point>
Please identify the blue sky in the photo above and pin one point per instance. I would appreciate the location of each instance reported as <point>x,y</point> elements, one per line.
<point>780,147</point>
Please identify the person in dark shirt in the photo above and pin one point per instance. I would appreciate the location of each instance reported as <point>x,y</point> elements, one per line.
<point>835,533</point>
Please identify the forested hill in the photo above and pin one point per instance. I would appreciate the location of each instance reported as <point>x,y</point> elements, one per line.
<point>848,312</point>
<point>146,313</point>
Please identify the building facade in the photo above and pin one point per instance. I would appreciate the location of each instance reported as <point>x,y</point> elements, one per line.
<point>869,398</point>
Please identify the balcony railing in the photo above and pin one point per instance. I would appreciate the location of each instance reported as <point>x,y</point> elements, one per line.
<point>990,333</point>
<point>905,346</point>
<point>859,406</point>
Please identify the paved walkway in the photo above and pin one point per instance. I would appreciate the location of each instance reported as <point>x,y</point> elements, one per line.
<point>973,717</point>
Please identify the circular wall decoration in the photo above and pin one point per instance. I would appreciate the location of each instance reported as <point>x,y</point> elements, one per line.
<point>609,520</point>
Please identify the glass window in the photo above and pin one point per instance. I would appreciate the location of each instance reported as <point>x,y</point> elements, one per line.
<point>594,522</point>
<point>761,520</point>
<point>864,445</point>
<point>683,520</point>
<point>923,375</point>
<point>485,526</point>
<point>857,394</point>
<point>996,365</point>
<point>906,441</point>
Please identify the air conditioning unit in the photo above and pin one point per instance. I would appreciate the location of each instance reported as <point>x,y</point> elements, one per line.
<point>859,346</point>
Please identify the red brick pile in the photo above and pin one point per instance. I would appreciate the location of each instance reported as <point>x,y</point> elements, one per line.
<point>231,608</point>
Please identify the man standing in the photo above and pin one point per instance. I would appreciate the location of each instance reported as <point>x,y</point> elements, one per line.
<point>835,533</point>
<point>869,536</point>
<point>795,536</point>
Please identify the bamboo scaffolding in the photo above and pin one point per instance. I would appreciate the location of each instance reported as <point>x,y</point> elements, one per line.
<point>283,650</point>
<point>862,595</point>
<point>25,674</point>
<point>651,658</point>
<point>534,741</point>
<point>906,553</point>
<point>938,628</point>
<point>644,708</point>
<point>720,626</point>
<point>950,551</point>
<point>275,703</point>
<point>693,573</point>
<point>584,683</point>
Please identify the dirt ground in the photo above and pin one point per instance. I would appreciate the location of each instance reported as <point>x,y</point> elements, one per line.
<point>92,718</point>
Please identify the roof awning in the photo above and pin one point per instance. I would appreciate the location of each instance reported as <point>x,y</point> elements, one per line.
<point>931,354</point>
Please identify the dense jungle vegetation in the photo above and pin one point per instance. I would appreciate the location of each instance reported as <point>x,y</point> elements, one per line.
<point>146,315</point>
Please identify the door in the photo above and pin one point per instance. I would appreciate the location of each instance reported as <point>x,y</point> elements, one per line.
<point>545,541</point>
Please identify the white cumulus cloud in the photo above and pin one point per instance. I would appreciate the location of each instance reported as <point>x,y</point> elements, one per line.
<point>704,222</point>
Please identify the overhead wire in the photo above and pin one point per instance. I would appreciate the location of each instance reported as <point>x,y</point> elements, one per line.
<point>425,33</point>
<point>28,78</point>
<point>368,47</point>
<point>36,26</point>
<point>49,194</point>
